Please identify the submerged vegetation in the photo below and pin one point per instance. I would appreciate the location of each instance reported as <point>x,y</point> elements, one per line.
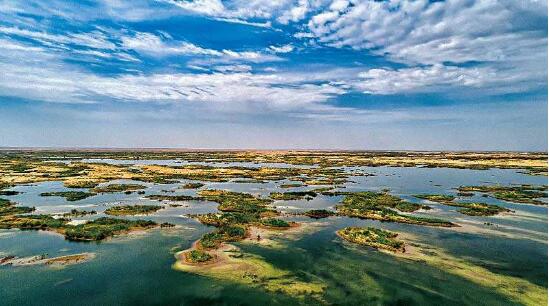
<point>128,210</point>
<point>467,208</point>
<point>69,195</point>
<point>373,237</point>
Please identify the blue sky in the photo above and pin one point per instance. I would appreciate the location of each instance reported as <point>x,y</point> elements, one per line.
<point>319,74</point>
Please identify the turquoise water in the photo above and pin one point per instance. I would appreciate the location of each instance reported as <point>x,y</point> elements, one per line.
<point>137,270</point>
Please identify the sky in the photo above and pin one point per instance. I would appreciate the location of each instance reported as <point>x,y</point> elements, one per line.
<point>266,74</point>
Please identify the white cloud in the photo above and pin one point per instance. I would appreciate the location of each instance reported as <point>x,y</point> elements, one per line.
<point>151,44</point>
<point>389,81</point>
<point>32,73</point>
<point>434,32</point>
<point>282,49</point>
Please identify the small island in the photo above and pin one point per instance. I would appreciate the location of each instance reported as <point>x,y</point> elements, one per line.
<point>373,237</point>
<point>467,208</point>
<point>523,194</point>
<point>319,213</point>
<point>384,207</point>
<point>69,195</point>
<point>192,185</point>
<point>118,188</point>
<point>130,210</point>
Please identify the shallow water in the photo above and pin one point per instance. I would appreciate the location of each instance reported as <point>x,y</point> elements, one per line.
<point>137,269</point>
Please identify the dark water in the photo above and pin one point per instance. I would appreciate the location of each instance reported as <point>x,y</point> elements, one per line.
<point>137,270</point>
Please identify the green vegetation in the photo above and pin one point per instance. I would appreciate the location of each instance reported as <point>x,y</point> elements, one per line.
<point>291,185</point>
<point>197,256</point>
<point>118,188</point>
<point>471,209</point>
<point>373,237</point>
<point>222,234</point>
<point>319,213</point>
<point>273,222</point>
<point>8,207</point>
<point>192,185</point>
<point>79,213</point>
<point>81,184</point>
<point>380,206</point>
<point>528,194</point>
<point>91,231</point>
<point>480,209</point>
<point>102,228</point>
<point>465,194</point>
<point>9,192</point>
<point>174,198</point>
<point>237,202</point>
<point>227,218</point>
<point>132,210</point>
<point>32,222</point>
<point>69,195</point>
<point>239,211</point>
<point>292,195</point>
<point>439,198</point>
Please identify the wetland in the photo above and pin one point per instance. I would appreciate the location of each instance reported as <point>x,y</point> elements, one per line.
<point>272,227</point>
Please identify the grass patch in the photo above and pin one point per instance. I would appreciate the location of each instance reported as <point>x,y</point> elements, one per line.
<point>118,188</point>
<point>380,206</point>
<point>69,195</point>
<point>128,210</point>
<point>373,237</point>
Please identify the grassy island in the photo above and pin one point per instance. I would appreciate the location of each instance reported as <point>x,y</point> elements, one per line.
<point>95,230</point>
<point>79,213</point>
<point>238,212</point>
<point>528,194</point>
<point>439,198</point>
<point>8,207</point>
<point>128,210</point>
<point>192,185</point>
<point>102,228</point>
<point>223,234</point>
<point>373,237</point>
<point>174,198</point>
<point>197,256</point>
<point>291,185</point>
<point>292,195</point>
<point>237,202</point>
<point>274,223</point>
<point>9,192</point>
<point>318,213</point>
<point>381,206</point>
<point>69,195</point>
<point>467,208</point>
<point>118,188</point>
